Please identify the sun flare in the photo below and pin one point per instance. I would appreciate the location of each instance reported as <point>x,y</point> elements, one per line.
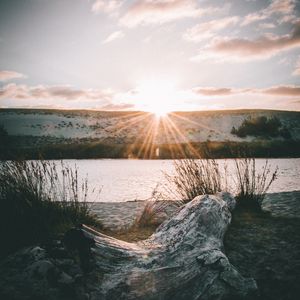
<point>156,96</point>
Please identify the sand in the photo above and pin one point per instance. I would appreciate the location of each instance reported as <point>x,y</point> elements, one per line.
<point>285,204</point>
<point>120,215</point>
<point>117,215</point>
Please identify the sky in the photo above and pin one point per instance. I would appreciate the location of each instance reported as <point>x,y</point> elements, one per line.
<point>153,55</point>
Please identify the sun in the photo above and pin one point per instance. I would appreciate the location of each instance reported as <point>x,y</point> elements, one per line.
<point>156,96</point>
<point>160,113</point>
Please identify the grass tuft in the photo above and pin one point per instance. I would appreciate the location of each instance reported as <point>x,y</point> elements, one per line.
<point>40,200</point>
<point>205,176</point>
<point>196,177</point>
<point>252,185</point>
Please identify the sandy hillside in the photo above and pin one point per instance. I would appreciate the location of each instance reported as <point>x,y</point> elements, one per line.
<point>128,127</point>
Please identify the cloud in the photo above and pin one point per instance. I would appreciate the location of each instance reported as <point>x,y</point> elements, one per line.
<point>280,90</point>
<point>121,106</point>
<point>245,49</point>
<point>8,75</point>
<point>254,17</point>
<point>288,90</point>
<point>113,36</point>
<point>207,30</point>
<point>61,97</point>
<point>161,11</point>
<point>288,19</point>
<point>267,25</point>
<point>106,6</point>
<point>283,8</point>
<point>212,91</point>
<point>147,12</point>
<point>297,68</point>
<point>14,91</point>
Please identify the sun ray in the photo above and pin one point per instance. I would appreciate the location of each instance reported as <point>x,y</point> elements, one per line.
<point>153,130</point>
<point>135,119</point>
<point>185,139</point>
<point>166,134</point>
<point>148,132</point>
<point>154,140</point>
<point>193,122</point>
<point>177,141</point>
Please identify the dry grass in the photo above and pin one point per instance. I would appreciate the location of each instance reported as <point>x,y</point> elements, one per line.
<point>39,201</point>
<point>252,184</point>
<point>156,211</point>
<point>196,177</point>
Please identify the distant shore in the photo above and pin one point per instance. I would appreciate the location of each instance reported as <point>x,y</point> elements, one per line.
<point>84,134</point>
<point>30,147</point>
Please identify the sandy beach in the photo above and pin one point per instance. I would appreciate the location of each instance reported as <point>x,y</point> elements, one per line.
<point>121,215</point>
<point>117,215</point>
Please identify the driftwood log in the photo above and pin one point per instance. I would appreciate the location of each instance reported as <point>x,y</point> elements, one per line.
<point>183,259</point>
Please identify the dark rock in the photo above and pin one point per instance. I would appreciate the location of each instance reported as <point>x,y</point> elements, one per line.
<point>78,240</point>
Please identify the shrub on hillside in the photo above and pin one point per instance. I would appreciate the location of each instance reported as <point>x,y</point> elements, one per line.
<point>262,127</point>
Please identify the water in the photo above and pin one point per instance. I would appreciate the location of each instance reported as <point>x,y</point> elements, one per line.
<point>127,180</point>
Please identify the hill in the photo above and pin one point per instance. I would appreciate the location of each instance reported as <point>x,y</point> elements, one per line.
<point>36,128</point>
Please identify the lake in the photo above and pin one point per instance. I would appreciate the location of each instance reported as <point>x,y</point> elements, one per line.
<point>127,180</point>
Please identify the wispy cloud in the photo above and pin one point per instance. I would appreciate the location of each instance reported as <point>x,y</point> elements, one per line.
<point>288,90</point>
<point>280,90</point>
<point>161,11</point>
<point>19,92</point>
<point>282,8</point>
<point>239,49</point>
<point>297,68</point>
<point>121,106</point>
<point>207,30</point>
<point>148,12</point>
<point>212,91</point>
<point>267,25</point>
<point>113,36</point>
<point>106,6</point>
<point>8,75</point>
